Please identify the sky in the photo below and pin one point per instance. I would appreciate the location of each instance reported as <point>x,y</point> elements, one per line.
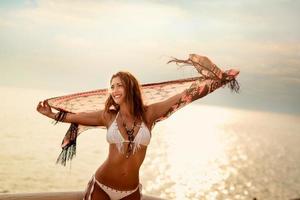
<point>75,46</point>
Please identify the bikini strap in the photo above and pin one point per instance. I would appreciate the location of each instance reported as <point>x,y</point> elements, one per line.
<point>116,117</point>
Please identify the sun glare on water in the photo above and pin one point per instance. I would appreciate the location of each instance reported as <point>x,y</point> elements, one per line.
<point>196,149</point>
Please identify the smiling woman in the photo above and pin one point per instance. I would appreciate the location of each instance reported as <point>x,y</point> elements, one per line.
<point>129,121</point>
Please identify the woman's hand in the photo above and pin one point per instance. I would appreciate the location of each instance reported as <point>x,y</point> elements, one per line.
<point>230,74</point>
<point>44,108</point>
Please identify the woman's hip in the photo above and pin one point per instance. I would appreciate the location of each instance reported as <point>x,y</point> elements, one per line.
<point>112,193</point>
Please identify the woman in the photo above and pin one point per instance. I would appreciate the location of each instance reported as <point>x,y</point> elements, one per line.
<point>129,123</point>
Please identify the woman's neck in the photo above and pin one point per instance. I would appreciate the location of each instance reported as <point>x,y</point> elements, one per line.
<point>125,112</point>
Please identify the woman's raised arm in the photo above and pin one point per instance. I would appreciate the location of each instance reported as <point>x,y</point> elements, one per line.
<point>161,110</point>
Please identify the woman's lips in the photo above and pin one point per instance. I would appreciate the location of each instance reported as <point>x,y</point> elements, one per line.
<point>117,96</point>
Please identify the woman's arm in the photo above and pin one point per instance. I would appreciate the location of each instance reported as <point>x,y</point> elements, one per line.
<point>97,118</point>
<point>161,110</point>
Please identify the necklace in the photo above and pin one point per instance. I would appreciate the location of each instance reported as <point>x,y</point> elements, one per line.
<point>129,132</point>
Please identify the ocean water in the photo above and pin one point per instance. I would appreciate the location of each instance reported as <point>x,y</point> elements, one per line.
<point>200,152</point>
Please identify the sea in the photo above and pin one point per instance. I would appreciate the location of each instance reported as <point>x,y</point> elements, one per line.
<point>199,152</point>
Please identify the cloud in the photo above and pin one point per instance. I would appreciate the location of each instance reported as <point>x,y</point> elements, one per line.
<point>98,38</point>
<point>72,42</point>
<point>91,13</point>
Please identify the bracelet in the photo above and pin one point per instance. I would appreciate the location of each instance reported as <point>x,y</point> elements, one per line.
<point>60,116</point>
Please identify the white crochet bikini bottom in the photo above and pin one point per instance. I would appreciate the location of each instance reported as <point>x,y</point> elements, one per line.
<point>112,193</point>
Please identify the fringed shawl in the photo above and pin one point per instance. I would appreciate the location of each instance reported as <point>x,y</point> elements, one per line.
<point>209,78</point>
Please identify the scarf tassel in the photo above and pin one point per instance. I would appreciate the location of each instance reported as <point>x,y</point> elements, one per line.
<point>231,82</point>
<point>69,142</point>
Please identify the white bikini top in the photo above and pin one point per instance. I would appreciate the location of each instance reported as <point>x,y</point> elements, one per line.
<point>114,136</point>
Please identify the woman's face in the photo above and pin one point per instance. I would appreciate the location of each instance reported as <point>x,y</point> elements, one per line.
<point>117,90</point>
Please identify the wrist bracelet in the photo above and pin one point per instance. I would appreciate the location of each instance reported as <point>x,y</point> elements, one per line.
<point>60,116</point>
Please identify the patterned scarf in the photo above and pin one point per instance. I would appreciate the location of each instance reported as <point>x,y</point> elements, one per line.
<point>209,78</point>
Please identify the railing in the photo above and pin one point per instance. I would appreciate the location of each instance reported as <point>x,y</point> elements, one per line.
<point>54,196</point>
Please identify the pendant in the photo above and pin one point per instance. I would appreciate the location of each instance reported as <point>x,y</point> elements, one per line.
<point>129,149</point>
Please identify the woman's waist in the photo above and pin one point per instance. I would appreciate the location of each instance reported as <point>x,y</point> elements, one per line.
<point>118,177</point>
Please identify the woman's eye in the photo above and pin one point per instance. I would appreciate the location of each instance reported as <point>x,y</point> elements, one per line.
<point>117,85</point>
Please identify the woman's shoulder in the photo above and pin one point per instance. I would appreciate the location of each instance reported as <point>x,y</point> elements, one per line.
<point>111,113</point>
<point>148,112</point>
<point>148,116</point>
<point>109,116</point>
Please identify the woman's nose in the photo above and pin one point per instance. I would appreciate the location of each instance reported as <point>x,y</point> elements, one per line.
<point>114,90</point>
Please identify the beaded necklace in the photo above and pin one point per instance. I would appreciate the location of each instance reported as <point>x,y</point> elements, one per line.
<point>129,132</point>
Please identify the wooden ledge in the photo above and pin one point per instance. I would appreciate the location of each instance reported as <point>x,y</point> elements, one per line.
<point>54,196</point>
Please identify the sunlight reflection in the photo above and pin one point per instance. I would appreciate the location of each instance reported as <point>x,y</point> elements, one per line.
<point>196,149</point>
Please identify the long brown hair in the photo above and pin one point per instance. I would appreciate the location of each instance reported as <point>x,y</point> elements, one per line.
<point>133,96</point>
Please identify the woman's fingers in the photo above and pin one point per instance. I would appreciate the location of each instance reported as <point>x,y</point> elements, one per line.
<point>40,106</point>
<point>46,103</point>
<point>233,72</point>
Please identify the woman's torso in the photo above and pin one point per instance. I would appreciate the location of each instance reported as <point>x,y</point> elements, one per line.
<point>118,171</point>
